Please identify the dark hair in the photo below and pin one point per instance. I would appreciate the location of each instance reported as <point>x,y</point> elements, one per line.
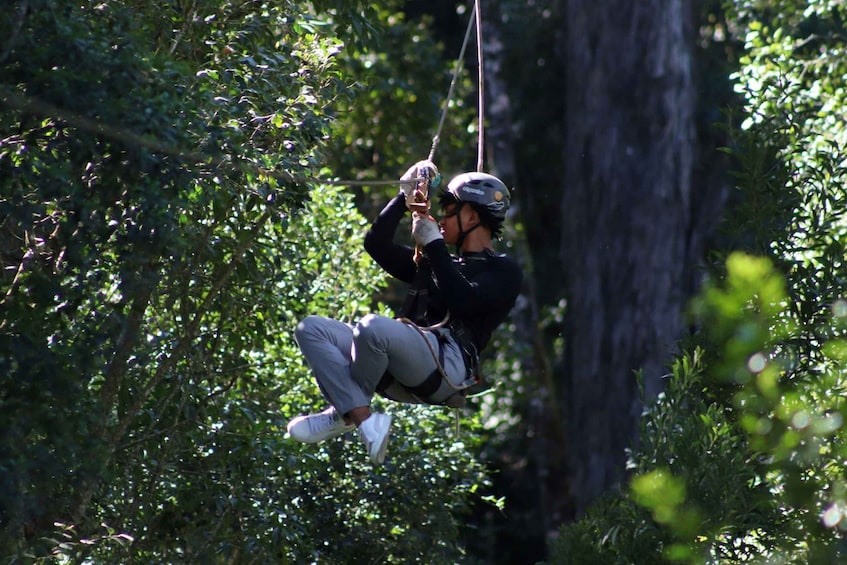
<point>487,219</point>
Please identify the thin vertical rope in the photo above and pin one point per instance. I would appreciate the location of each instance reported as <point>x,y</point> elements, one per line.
<point>456,70</point>
<point>481,139</point>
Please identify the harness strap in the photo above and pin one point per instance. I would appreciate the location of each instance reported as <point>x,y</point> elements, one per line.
<point>384,382</point>
<point>428,387</point>
<point>432,383</point>
<point>466,344</point>
<point>424,391</point>
<point>414,307</point>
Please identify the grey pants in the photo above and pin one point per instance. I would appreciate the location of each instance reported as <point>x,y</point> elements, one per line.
<point>349,360</point>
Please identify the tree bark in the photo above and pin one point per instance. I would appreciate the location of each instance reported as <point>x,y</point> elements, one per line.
<point>626,215</point>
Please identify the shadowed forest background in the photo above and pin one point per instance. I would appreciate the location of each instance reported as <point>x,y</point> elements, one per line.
<point>669,387</point>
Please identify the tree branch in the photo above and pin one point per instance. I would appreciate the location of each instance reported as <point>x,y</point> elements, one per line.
<point>139,305</point>
<point>190,334</point>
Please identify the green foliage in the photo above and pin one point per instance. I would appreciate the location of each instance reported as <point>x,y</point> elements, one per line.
<point>793,137</point>
<point>790,410</point>
<point>793,83</point>
<point>694,496</point>
<point>397,103</point>
<point>160,238</point>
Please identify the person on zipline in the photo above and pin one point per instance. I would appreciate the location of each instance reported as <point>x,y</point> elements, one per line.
<point>419,357</point>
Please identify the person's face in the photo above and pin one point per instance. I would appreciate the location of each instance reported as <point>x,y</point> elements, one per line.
<point>449,221</point>
<point>449,224</point>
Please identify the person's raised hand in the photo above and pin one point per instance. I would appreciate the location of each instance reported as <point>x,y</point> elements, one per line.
<point>416,193</point>
<point>424,229</point>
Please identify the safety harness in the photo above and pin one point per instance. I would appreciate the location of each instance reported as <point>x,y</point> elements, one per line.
<point>414,314</point>
<point>425,391</point>
<point>414,309</point>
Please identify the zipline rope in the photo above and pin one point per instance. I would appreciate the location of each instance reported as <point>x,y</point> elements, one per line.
<point>456,68</point>
<point>480,144</point>
<point>474,21</point>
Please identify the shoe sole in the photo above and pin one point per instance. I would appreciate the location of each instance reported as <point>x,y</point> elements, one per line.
<point>379,456</point>
<point>320,439</point>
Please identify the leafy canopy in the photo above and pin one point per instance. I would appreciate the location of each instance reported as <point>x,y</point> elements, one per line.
<point>161,233</point>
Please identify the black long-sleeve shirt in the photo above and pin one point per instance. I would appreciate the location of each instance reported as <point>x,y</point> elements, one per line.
<point>477,289</point>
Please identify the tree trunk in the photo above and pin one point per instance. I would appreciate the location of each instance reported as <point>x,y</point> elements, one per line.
<point>626,216</point>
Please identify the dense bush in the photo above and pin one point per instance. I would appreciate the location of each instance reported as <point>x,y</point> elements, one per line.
<point>161,233</point>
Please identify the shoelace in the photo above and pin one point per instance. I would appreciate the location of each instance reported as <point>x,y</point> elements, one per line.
<point>326,422</point>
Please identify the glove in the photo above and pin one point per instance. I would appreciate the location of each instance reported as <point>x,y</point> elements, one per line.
<point>424,229</point>
<point>415,193</point>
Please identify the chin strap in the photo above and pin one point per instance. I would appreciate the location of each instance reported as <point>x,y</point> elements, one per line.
<point>462,233</point>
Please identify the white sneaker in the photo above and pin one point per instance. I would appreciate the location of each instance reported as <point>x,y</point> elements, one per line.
<point>374,432</point>
<point>313,428</point>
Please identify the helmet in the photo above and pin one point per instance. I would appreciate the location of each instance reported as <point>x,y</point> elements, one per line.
<point>482,189</point>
